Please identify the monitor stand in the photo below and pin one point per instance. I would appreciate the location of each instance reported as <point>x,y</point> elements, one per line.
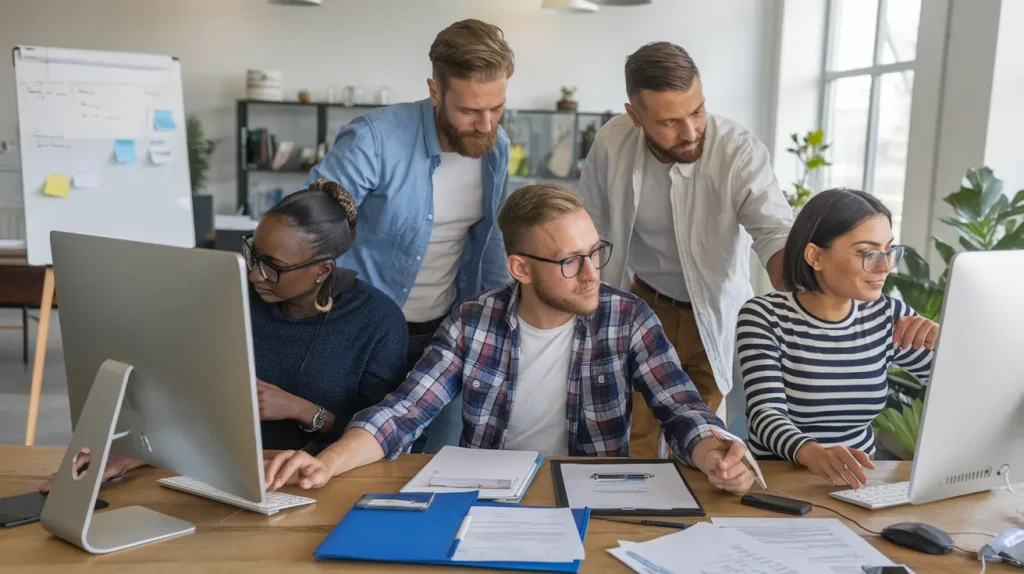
<point>68,512</point>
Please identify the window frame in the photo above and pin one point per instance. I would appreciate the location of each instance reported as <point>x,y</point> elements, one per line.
<point>874,71</point>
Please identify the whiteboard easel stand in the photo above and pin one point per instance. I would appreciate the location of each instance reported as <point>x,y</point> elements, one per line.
<point>42,336</point>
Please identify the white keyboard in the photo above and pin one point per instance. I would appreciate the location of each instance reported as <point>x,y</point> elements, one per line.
<point>876,497</point>
<point>273,501</point>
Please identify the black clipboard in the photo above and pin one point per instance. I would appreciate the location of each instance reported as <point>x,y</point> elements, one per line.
<point>562,498</point>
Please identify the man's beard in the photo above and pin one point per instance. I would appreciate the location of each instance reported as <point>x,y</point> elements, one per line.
<point>676,153</point>
<point>566,304</point>
<point>468,143</point>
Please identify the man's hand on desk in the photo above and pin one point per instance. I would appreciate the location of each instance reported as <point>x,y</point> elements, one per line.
<point>723,463</point>
<point>356,448</point>
<point>296,467</point>
<point>116,465</point>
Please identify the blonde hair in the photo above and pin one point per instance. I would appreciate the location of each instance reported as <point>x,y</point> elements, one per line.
<point>471,50</point>
<point>531,206</point>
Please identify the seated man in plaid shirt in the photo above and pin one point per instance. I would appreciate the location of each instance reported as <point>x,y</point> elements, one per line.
<point>548,363</point>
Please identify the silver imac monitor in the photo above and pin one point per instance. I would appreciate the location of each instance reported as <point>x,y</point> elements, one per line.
<point>157,346</point>
<point>972,426</point>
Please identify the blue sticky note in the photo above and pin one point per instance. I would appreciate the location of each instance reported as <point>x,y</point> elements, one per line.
<point>163,121</point>
<point>124,151</point>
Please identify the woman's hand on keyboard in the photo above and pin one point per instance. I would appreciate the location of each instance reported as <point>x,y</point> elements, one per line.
<point>116,466</point>
<point>836,464</point>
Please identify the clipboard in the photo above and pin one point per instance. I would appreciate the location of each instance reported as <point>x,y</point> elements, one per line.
<point>665,468</point>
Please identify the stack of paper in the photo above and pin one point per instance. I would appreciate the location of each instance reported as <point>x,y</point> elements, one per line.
<point>497,474</point>
<point>708,549</point>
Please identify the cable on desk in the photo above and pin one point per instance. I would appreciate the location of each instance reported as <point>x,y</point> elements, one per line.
<point>868,530</point>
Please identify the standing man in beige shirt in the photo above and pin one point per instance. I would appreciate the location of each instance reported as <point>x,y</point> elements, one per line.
<point>676,187</point>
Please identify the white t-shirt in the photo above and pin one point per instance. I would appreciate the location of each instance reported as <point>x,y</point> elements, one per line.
<point>653,249</point>
<point>458,205</point>
<point>538,420</point>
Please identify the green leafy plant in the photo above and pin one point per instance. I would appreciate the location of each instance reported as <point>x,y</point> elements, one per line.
<point>809,152</point>
<point>200,150</point>
<point>568,93</point>
<point>902,424</point>
<point>986,220</point>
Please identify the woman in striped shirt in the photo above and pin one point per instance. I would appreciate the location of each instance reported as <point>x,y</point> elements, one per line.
<point>814,359</point>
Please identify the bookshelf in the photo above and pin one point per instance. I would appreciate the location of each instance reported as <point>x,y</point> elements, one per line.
<point>242,163</point>
<point>547,145</point>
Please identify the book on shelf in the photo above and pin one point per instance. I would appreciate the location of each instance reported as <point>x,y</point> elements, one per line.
<point>264,152</point>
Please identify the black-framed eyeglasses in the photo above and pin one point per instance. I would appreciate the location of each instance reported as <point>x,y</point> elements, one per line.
<point>573,264</point>
<point>268,270</point>
<point>872,260</point>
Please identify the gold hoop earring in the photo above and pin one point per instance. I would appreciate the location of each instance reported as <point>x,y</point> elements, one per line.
<point>324,307</point>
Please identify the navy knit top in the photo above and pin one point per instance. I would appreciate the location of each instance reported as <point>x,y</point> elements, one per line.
<point>345,360</point>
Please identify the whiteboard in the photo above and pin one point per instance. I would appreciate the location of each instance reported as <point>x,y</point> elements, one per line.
<point>73,108</point>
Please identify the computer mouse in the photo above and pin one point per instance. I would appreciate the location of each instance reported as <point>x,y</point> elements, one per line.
<point>918,536</point>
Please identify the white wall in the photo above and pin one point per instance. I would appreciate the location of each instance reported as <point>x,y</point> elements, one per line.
<point>966,109</point>
<point>1003,150</point>
<point>385,42</point>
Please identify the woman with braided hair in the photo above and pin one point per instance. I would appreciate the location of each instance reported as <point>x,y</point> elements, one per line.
<point>326,343</point>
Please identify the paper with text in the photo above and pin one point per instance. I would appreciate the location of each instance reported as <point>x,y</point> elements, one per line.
<point>520,534</point>
<point>159,152</point>
<point>825,542</point>
<point>707,549</point>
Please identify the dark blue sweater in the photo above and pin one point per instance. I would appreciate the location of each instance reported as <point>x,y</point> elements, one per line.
<point>345,360</point>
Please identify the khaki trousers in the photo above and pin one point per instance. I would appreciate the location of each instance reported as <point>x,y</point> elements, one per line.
<point>681,330</point>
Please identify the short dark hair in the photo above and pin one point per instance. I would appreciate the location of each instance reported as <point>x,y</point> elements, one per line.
<point>471,50</point>
<point>660,66</point>
<point>325,213</point>
<point>825,217</point>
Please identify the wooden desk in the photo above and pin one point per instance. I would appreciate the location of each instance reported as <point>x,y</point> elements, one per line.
<point>229,539</point>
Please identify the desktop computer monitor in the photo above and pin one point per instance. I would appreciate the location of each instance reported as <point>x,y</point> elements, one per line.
<point>972,425</point>
<point>157,341</point>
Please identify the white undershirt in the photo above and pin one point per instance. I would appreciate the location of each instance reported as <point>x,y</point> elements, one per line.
<point>653,249</point>
<point>538,421</point>
<point>458,205</point>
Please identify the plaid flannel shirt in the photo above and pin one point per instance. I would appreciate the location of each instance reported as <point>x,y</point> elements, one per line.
<point>618,348</point>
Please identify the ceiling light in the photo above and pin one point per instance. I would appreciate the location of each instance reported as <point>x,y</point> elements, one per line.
<point>568,6</point>
<point>621,2</point>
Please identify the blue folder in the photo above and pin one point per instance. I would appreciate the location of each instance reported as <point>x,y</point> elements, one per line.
<point>421,537</point>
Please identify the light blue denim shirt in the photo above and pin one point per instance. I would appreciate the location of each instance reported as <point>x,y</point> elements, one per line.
<point>386,160</point>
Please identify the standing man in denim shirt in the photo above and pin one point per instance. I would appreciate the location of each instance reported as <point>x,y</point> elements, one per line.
<point>429,178</point>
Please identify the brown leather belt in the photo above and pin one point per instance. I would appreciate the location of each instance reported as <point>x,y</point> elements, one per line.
<point>662,298</point>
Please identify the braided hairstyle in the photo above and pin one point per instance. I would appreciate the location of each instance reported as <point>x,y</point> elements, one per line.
<point>326,215</point>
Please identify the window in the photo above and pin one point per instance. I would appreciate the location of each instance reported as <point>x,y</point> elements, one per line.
<point>869,80</point>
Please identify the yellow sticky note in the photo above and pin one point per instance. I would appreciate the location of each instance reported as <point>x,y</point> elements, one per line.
<point>57,185</point>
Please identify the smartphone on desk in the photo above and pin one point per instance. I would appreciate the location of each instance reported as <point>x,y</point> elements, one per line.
<point>27,508</point>
<point>776,503</point>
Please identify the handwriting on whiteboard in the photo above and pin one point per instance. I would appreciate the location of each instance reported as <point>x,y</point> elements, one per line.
<point>86,111</point>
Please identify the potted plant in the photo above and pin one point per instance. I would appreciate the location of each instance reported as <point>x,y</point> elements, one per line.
<point>986,220</point>
<point>200,150</point>
<point>567,103</point>
<point>809,154</point>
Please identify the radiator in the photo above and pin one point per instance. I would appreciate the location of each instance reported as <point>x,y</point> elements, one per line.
<point>12,222</point>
